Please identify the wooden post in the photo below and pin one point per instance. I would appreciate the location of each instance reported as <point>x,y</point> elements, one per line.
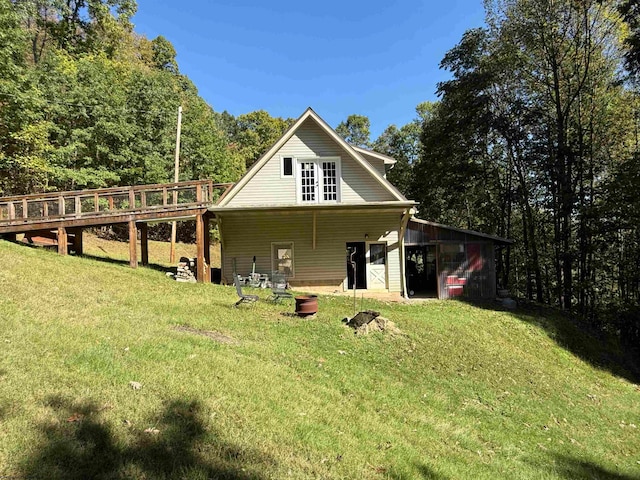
<point>176,177</point>
<point>144,243</point>
<point>25,208</point>
<point>200,265</point>
<point>143,198</point>
<point>61,206</point>
<point>110,202</point>
<point>12,211</point>
<point>207,248</point>
<point>78,207</point>
<point>62,241</point>
<point>133,251</point>
<point>132,199</point>
<point>96,203</point>
<point>45,209</point>
<point>79,244</point>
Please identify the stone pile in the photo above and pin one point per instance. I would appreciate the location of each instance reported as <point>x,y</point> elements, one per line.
<point>370,321</point>
<point>186,271</point>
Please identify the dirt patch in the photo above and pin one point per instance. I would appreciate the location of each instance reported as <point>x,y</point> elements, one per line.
<point>215,336</point>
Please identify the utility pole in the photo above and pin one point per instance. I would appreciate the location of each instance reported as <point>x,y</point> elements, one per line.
<point>172,255</point>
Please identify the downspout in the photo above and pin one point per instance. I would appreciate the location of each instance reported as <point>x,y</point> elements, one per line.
<point>403,228</point>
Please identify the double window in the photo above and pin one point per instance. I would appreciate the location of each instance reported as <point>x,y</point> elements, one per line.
<point>318,180</point>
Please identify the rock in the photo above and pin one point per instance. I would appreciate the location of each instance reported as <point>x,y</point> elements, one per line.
<point>509,303</point>
<point>135,385</point>
<point>363,317</point>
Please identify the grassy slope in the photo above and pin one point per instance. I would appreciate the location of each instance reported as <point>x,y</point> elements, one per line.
<point>466,392</point>
<point>95,246</point>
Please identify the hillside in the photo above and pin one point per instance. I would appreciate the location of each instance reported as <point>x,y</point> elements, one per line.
<point>465,392</point>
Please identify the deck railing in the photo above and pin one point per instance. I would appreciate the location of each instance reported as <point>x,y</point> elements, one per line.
<point>104,202</point>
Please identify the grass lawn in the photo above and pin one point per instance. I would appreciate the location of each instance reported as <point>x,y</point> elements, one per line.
<point>464,392</point>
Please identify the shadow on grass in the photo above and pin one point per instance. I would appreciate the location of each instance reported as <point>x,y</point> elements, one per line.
<point>576,469</point>
<point>597,348</point>
<point>115,261</point>
<point>80,444</point>
<point>215,272</point>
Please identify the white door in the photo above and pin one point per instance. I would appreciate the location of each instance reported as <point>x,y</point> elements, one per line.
<point>377,266</point>
<point>308,182</point>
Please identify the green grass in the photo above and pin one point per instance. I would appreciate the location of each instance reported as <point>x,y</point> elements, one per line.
<point>465,392</point>
<point>95,246</point>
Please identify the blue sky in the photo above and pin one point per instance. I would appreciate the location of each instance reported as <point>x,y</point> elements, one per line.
<point>378,59</point>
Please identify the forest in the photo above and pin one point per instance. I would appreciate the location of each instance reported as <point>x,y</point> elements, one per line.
<point>534,136</point>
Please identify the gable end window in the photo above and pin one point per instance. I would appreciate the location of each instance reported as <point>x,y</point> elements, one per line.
<point>318,180</point>
<point>286,167</point>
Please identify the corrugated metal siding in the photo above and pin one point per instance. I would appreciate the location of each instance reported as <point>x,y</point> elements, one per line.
<point>309,141</point>
<point>470,273</point>
<point>249,235</point>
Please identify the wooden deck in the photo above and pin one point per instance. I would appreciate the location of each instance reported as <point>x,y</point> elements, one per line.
<point>136,205</point>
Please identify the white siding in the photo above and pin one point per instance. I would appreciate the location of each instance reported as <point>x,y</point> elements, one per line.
<point>376,163</point>
<point>309,141</point>
<point>248,235</point>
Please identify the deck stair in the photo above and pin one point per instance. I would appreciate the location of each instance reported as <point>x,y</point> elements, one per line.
<point>58,218</point>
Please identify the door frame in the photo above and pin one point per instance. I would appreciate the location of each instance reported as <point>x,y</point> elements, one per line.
<point>386,264</point>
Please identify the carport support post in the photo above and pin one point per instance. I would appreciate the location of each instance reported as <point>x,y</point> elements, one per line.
<point>202,270</point>
<point>207,243</point>
<point>144,243</point>
<point>78,244</point>
<point>62,241</point>
<point>133,251</point>
<point>406,216</point>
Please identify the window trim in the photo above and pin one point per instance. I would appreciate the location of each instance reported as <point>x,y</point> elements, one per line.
<point>293,166</point>
<point>293,257</point>
<point>317,161</point>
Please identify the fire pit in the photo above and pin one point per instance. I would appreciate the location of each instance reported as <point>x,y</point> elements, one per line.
<point>306,305</point>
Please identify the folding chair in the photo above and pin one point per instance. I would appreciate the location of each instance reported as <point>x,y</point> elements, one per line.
<point>279,287</point>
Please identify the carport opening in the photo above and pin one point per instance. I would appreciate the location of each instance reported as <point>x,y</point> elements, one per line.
<point>421,270</point>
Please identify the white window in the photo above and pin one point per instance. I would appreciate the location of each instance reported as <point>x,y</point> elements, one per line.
<point>318,180</point>
<point>282,258</point>
<point>286,167</point>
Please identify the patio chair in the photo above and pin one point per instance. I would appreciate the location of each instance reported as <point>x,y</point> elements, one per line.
<point>279,287</point>
<point>244,298</point>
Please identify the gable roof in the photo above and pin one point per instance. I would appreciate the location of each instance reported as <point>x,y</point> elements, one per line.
<point>385,158</point>
<point>310,114</point>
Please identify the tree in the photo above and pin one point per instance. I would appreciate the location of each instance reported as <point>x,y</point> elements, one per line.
<point>23,131</point>
<point>256,132</point>
<point>404,145</point>
<point>164,54</point>
<point>356,130</point>
<point>630,11</point>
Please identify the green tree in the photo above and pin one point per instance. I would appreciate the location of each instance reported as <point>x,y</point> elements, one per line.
<point>405,146</point>
<point>356,130</point>
<point>256,132</point>
<point>23,131</point>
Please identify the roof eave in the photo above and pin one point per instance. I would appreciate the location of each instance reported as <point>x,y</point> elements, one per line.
<point>497,239</point>
<point>394,205</point>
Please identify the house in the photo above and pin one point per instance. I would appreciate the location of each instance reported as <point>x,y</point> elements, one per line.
<point>318,210</point>
<point>306,203</point>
